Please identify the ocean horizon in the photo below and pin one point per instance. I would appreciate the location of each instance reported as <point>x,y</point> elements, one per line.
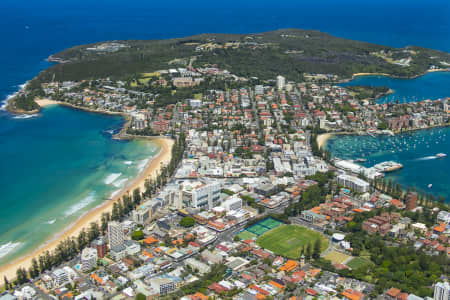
<point>60,163</point>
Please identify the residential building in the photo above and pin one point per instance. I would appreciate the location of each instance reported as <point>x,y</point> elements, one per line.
<point>100,245</point>
<point>115,234</point>
<point>411,200</point>
<point>201,195</point>
<point>162,285</point>
<point>281,82</point>
<point>60,277</point>
<point>442,291</point>
<point>354,183</point>
<point>88,259</point>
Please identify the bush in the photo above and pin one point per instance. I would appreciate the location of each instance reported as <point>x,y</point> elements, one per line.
<point>137,235</point>
<point>187,222</point>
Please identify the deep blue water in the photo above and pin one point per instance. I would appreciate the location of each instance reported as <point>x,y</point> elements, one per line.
<point>33,30</point>
<point>431,86</point>
<point>416,151</point>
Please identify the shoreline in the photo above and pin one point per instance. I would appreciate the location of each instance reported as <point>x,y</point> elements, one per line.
<point>355,75</point>
<point>322,139</point>
<point>151,170</point>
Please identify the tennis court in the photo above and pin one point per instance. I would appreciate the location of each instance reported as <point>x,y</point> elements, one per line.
<point>270,223</point>
<point>258,229</point>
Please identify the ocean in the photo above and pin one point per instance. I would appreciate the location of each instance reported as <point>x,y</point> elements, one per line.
<point>54,164</point>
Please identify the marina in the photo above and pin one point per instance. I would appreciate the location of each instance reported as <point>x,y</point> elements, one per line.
<point>421,153</point>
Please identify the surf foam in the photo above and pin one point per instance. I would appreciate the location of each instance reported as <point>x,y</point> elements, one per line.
<point>120,182</point>
<point>142,164</point>
<point>80,205</point>
<point>5,249</point>
<point>112,177</point>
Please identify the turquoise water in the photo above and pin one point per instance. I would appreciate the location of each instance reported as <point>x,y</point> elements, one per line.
<point>55,167</point>
<point>431,86</point>
<point>415,150</point>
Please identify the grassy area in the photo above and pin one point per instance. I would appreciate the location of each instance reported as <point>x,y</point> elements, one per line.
<point>358,262</point>
<point>336,257</point>
<point>288,240</point>
<point>198,96</point>
<point>246,235</point>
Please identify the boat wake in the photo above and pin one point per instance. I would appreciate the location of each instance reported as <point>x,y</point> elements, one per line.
<point>50,222</point>
<point>8,247</point>
<point>426,158</point>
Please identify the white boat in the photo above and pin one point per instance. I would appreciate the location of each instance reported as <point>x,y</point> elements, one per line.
<point>430,185</point>
<point>441,155</point>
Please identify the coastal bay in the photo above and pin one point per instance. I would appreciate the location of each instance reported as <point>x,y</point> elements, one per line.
<point>84,179</point>
<point>415,150</point>
<point>432,86</point>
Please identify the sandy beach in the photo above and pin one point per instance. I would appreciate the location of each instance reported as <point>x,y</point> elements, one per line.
<point>151,170</point>
<point>46,102</point>
<point>322,139</point>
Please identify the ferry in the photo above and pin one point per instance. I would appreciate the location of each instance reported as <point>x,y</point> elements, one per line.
<point>388,166</point>
<point>441,155</point>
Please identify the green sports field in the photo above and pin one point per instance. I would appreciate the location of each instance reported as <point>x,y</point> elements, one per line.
<point>288,240</point>
<point>358,262</point>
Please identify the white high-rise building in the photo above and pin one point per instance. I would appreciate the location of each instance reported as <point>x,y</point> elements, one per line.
<point>201,195</point>
<point>281,82</point>
<point>88,259</point>
<point>442,291</point>
<point>115,234</point>
<point>60,277</point>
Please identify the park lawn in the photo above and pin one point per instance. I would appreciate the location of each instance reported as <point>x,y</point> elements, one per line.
<point>154,74</point>
<point>336,257</point>
<point>246,235</point>
<point>288,240</point>
<point>358,262</point>
<point>144,80</point>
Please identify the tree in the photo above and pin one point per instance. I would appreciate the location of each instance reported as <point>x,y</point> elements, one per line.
<point>6,283</point>
<point>140,296</point>
<point>308,252</point>
<point>82,239</point>
<point>104,222</point>
<point>137,235</point>
<point>317,244</point>
<point>21,275</point>
<point>94,231</point>
<point>115,212</point>
<point>34,271</point>
<point>187,222</point>
<point>137,196</point>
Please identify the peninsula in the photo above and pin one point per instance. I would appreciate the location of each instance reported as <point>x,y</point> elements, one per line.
<point>247,204</point>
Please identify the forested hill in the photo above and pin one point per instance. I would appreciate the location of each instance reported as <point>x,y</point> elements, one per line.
<point>289,52</point>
